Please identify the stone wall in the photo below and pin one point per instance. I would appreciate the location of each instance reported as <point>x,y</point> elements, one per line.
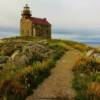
<point>25,27</point>
<point>42,31</point>
<point>29,29</point>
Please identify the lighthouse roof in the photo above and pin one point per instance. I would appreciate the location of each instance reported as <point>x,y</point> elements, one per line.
<point>41,21</point>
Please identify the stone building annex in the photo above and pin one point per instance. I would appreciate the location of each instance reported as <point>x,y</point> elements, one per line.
<point>32,26</point>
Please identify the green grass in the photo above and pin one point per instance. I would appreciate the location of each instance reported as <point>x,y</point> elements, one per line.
<point>37,68</point>
<point>86,72</point>
<point>31,75</point>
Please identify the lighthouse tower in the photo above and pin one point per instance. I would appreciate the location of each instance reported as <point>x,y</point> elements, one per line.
<point>33,26</point>
<point>26,11</point>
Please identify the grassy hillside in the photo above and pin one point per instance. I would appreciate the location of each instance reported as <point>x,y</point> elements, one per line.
<point>26,61</point>
<point>87,78</point>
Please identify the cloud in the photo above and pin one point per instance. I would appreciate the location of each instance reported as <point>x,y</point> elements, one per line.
<point>63,14</point>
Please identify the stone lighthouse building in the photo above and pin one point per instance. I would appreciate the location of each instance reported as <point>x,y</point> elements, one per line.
<point>32,26</point>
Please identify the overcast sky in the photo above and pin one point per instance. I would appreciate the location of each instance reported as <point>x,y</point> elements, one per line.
<point>62,14</point>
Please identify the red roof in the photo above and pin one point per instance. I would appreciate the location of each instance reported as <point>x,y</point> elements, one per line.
<point>41,21</point>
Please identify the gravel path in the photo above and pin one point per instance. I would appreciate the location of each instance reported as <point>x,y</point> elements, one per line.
<point>58,85</point>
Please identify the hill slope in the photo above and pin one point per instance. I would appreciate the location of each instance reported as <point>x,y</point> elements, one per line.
<point>26,61</point>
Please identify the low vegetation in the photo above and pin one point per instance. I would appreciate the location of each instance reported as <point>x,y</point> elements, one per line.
<point>87,79</point>
<point>24,63</point>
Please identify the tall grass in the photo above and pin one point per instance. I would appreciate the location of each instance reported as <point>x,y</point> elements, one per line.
<point>24,79</point>
<point>87,79</point>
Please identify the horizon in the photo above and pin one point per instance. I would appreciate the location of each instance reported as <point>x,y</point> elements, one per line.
<point>76,20</point>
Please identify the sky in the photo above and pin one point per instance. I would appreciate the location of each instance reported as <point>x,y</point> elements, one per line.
<point>62,14</point>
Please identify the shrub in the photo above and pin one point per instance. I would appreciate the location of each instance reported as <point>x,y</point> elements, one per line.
<point>12,89</point>
<point>95,77</point>
<point>79,84</point>
<point>58,51</point>
<point>30,62</point>
<point>94,90</point>
<point>87,85</point>
<point>33,75</point>
<point>86,65</point>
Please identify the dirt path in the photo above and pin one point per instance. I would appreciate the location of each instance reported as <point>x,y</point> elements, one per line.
<point>58,84</point>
